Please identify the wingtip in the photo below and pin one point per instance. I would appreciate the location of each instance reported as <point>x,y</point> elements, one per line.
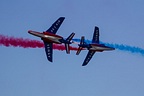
<point>96,27</point>
<point>84,64</point>
<point>68,52</point>
<point>62,17</point>
<point>73,33</point>
<point>50,60</point>
<point>77,54</point>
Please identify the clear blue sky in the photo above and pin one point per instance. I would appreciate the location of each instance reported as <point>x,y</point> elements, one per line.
<point>26,72</point>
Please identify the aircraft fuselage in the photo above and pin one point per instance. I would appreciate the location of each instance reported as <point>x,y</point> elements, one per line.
<point>97,47</point>
<point>47,36</point>
<point>100,47</point>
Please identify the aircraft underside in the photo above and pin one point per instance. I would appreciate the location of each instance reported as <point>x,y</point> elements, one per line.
<point>52,39</point>
<point>49,37</point>
<point>98,48</point>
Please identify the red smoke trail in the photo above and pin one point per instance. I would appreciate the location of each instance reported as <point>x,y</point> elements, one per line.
<point>27,43</point>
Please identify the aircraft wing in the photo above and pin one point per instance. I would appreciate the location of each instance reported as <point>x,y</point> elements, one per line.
<point>55,26</point>
<point>96,35</point>
<point>67,47</point>
<point>48,50</point>
<point>88,57</point>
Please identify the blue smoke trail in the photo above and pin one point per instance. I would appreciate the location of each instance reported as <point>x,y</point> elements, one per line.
<point>121,47</point>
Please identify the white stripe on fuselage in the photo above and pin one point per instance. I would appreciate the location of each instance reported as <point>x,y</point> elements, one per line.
<point>48,37</point>
<point>99,48</point>
<point>52,38</point>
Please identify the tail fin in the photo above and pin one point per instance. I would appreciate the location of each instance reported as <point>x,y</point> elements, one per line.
<point>80,47</point>
<point>68,42</point>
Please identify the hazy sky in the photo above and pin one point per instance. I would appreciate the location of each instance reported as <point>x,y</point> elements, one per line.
<point>27,72</point>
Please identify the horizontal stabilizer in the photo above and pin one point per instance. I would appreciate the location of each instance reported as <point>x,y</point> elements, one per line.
<point>67,48</point>
<point>68,42</point>
<point>79,50</point>
<point>70,37</point>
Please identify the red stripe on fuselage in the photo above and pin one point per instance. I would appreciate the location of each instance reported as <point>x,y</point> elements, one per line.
<point>47,36</point>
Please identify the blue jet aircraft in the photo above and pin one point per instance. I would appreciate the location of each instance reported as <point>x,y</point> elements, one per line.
<point>49,37</point>
<point>93,47</point>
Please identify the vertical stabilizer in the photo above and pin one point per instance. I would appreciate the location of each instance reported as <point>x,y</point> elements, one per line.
<point>80,45</point>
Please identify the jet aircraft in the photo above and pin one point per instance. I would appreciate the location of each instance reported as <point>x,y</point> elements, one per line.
<point>49,37</point>
<point>93,47</point>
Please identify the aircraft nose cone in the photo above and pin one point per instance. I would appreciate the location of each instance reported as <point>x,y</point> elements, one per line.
<point>29,31</point>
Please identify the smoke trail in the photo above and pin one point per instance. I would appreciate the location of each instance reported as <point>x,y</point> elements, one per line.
<point>122,47</point>
<point>27,43</point>
<point>128,48</point>
<point>19,42</point>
